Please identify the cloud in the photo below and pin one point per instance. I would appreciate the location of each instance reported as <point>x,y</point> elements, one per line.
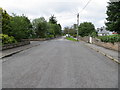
<point>64,10</point>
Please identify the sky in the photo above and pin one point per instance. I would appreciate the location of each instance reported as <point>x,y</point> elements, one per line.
<point>64,10</point>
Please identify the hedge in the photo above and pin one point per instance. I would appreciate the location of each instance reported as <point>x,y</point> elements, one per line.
<point>110,38</point>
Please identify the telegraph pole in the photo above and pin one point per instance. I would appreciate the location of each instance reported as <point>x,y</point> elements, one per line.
<point>77,25</point>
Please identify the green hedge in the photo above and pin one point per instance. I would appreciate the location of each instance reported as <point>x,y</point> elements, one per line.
<point>50,36</point>
<point>7,39</point>
<point>110,38</point>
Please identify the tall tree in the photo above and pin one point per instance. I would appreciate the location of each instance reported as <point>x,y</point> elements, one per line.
<point>54,28</point>
<point>40,27</point>
<point>113,19</point>
<point>6,29</point>
<point>59,29</point>
<point>66,30</point>
<point>21,27</point>
<point>1,20</point>
<point>53,20</point>
<point>70,30</point>
<point>86,29</point>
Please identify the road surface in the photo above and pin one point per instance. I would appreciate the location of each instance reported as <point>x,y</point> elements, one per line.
<point>59,63</point>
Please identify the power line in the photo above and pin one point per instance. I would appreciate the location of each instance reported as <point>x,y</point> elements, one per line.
<point>67,16</point>
<point>83,8</point>
<point>73,13</point>
<point>85,5</point>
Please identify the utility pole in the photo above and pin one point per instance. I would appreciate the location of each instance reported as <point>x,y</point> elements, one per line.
<point>77,25</point>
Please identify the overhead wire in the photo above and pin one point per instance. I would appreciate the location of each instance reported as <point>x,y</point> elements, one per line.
<point>85,6</point>
<point>74,12</point>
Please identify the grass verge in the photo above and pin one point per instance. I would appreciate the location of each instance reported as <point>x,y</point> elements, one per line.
<point>70,38</point>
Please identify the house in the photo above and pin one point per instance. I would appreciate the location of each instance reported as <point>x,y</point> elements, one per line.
<point>103,32</point>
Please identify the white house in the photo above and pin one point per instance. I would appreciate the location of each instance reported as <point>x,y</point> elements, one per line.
<point>103,32</point>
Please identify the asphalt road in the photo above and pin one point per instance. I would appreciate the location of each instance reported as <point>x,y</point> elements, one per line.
<point>59,64</point>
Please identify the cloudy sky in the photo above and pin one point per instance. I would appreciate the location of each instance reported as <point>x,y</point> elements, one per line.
<point>64,10</point>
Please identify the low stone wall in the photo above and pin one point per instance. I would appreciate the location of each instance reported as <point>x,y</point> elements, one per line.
<point>111,46</point>
<point>37,39</point>
<point>115,46</point>
<point>86,39</point>
<point>9,46</point>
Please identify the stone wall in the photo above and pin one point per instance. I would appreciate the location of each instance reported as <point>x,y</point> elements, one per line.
<point>86,39</point>
<point>111,46</point>
<point>115,46</point>
<point>9,46</point>
<point>38,39</point>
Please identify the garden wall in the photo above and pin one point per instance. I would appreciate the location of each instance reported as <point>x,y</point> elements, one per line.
<point>115,46</point>
<point>86,39</point>
<point>9,46</point>
<point>39,39</point>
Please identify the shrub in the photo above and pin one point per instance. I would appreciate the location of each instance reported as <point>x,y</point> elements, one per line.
<point>50,36</point>
<point>7,39</point>
<point>110,38</point>
<point>75,35</point>
<point>94,34</point>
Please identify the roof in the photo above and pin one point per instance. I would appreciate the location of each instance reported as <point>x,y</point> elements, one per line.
<point>103,32</point>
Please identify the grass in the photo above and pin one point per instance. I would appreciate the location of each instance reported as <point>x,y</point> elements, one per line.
<point>70,38</point>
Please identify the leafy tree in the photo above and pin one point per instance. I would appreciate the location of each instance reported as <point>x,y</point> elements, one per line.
<point>5,22</point>
<point>86,29</point>
<point>1,20</point>
<point>43,29</point>
<point>51,29</point>
<point>54,28</point>
<point>18,26</point>
<point>71,31</point>
<point>113,19</point>
<point>40,27</point>
<point>66,30</point>
<point>59,29</point>
<point>94,34</point>
<point>21,27</point>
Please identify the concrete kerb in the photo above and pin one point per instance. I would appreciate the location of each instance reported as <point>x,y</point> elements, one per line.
<point>110,57</point>
<point>12,53</point>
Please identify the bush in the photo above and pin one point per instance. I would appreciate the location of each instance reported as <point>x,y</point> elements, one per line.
<point>94,34</point>
<point>50,36</point>
<point>75,35</point>
<point>7,39</point>
<point>110,38</point>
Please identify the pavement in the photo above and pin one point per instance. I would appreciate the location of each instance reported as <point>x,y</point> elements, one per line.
<point>59,63</point>
<point>12,51</point>
<point>112,54</point>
